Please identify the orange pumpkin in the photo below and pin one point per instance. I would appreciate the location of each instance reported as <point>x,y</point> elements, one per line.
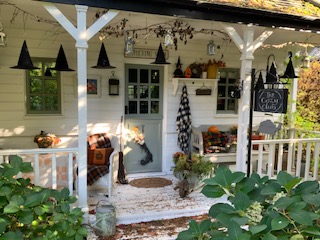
<point>188,72</point>
<point>213,129</point>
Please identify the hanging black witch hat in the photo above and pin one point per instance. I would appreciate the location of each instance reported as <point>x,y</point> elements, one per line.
<point>289,72</point>
<point>25,61</point>
<point>179,64</point>
<point>259,85</point>
<point>103,60</point>
<point>272,75</point>
<point>160,59</point>
<point>61,62</point>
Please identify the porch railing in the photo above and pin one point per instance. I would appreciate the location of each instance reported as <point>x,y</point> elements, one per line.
<point>52,167</point>
<point>298,156</point>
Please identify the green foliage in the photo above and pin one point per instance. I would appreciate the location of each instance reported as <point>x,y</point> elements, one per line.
<point>260,208</point>
<point>33,212</point>
<point>197,164</point>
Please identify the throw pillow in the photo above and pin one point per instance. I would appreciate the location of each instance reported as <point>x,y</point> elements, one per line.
<point>99,156</point>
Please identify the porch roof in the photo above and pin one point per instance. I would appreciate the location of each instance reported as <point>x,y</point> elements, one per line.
<point>296,14</point>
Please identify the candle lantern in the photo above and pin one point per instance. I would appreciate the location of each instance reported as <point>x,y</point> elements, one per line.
<point>113,85</point>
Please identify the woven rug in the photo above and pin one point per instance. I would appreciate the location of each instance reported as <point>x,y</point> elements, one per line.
<point>150,182</point>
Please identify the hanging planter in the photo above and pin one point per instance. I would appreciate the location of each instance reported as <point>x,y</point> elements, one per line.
<point>45,140</point>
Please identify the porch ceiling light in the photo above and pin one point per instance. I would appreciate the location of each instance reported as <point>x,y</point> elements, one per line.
<point>289,72</point>
<point>128,45</point>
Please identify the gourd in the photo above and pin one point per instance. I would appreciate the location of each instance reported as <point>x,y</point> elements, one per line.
<point>188,72</point>
<point>213,129</point>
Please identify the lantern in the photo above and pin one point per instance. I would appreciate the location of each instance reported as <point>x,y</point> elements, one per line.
<point>211,48</point>
<point>113,85</point>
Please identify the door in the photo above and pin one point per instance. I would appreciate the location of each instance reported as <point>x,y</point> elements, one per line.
<point>143,119</point>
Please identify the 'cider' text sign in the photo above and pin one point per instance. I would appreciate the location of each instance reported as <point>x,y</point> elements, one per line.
<point>271,100</point>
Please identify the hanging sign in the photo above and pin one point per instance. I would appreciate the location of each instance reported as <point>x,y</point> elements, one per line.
<point>145,53</point>
<point>271,100</point>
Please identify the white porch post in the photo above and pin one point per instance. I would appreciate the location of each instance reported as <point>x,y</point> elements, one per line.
<point>82,46</point>
<point>244,103</point>
<point>82,35</point>
<point>247,46</point>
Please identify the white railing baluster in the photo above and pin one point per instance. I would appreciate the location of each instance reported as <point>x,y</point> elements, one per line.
<point>280,157</point>
<point>299,156</point>
<point>54,171</point>
<point>271,160</point>
<point>260,159</point>
<point>36,169</point>
<point>308,159</point>
<point>316,161</point>
<point>70,173</point>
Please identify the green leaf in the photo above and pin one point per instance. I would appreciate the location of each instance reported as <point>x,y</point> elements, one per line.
<point>65,193</point>
<point>65,207</point>
<point>33,200</point>
<point>303,217</point>
<point>237,177</point>
<point>205,225</point>
<point>241,201</point>
<point>307,187</point>
<point>244,236</point>
<point>279,223</point>
<point>234,230</point>
<point>26,217</point>
<point>254,229</point>
<point>297,237</point>
<point>269,236</point>
<point>271,189</point>
<point>11,208</point>
<point>12,235</point>
<point>313,199</point>
<point>3,224</point>
<point>5,191</point>
<point>283,178</point>
<point>39,210</point>
<point>291,184</point>
<point>246,186</point>
<point>16,162</point>
<point>284,202</point>
<point>314,230</point>
<point>297,205</point>
<point>221,207</point>
<point>213,191</point>
<point>26,167</point>
<point>82,231</point>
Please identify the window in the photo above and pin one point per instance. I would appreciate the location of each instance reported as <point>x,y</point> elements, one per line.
<point>229,80</point>
<point>43,88</point>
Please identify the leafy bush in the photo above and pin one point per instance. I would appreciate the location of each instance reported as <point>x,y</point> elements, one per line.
<point>33,212</point>
<point>260,208</point>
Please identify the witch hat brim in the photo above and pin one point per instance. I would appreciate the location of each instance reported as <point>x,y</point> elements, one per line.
<point>160,59</point>
<point>24,61</point>
<point>61,62</point>
<point>289,72</point>
<point>272,75</point>
<point>103,60</point>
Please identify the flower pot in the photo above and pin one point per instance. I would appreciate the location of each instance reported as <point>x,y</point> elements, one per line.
<point>212,71</point>
<point>193,179</point>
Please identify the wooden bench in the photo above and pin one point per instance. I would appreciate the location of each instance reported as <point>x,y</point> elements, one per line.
<point>221,158</point>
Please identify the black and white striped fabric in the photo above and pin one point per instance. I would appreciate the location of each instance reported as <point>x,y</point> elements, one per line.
<point>184,121</point>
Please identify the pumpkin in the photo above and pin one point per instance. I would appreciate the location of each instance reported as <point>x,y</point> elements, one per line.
<point>188,72</point>
<point>213,129</point>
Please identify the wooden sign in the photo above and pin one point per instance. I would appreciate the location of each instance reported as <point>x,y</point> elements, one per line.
<point>271,100</point>
<point>145,53</point>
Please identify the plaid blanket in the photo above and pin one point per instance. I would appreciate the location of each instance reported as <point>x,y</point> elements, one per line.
<point>95,172</point>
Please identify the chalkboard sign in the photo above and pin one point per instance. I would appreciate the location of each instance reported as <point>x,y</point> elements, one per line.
<point>271,100</point>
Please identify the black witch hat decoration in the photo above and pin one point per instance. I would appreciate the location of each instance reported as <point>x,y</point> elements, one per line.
<point>259,85</point>
<point>25,61</point>
<point>272,75</point>
<point>289,73</point>
<point>103,60</point>
<point>160,59</point>
<point>178,63</point>
<point>61,62</point>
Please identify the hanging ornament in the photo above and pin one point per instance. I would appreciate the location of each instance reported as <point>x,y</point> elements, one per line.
<point>3,37</point>
<point>211,48</point>
<point>168,39</point>
<point>129,46</point>
<point>305,59</point>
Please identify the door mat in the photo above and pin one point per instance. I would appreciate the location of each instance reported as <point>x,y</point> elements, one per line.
<point>150,182</point>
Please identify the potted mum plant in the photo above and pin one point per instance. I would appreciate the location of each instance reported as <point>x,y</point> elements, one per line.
<point>259,208</point>
<point>45,140</point>
<point>194,170</point>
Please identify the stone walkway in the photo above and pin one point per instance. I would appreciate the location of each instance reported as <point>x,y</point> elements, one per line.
<point>134,205</point>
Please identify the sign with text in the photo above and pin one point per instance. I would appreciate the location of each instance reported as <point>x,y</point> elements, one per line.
<point>146,53</point>
<point>271,100</point>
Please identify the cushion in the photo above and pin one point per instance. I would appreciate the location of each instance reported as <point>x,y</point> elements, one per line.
<point>215,149</point>
<point>99,156</point>
<point>99,140</point>
<point>214,139</point>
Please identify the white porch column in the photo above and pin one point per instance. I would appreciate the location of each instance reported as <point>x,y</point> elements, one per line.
<point>82,35</point>
<point>247,46</point>
<point>244,102</point>
<point>82,46</point>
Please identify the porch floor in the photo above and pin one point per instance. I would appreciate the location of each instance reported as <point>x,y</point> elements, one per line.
<point>134,205</point>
